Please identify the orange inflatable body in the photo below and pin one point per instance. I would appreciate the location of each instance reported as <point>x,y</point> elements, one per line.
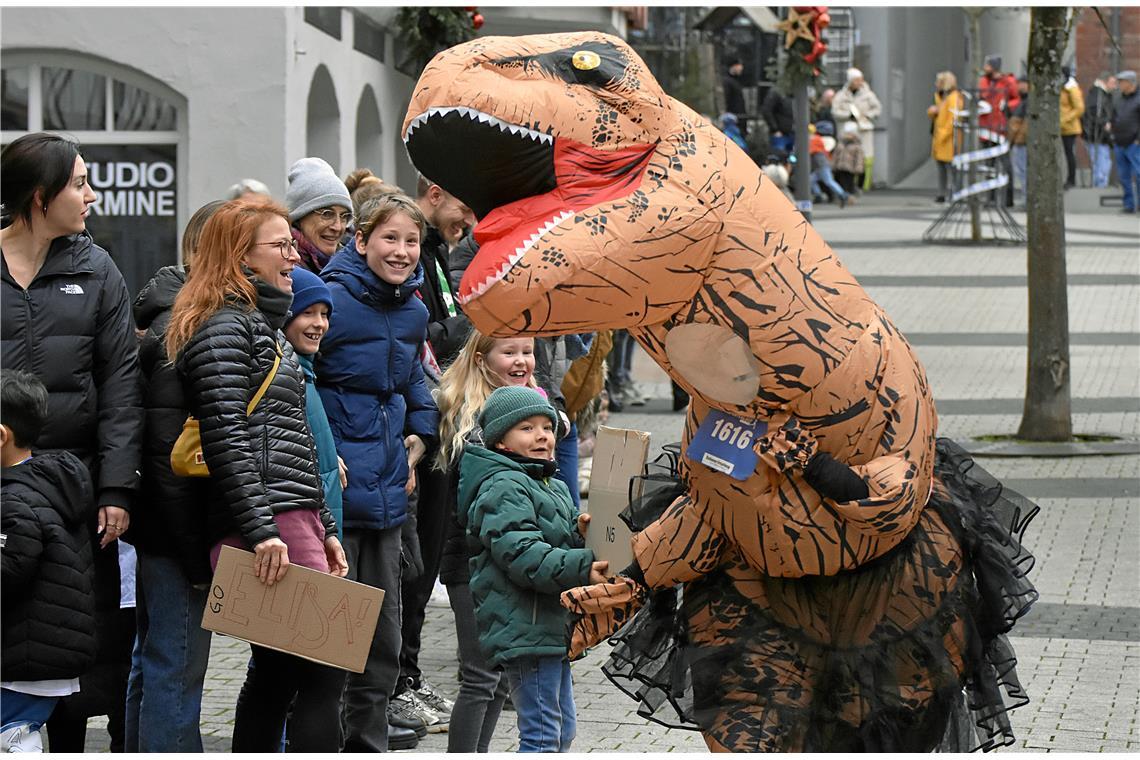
<point>604,203</point>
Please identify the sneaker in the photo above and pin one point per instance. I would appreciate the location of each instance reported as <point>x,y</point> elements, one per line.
<point>21,738</point>
<point>633,396</point>
<point>405,711</point>
<point>436,702</point>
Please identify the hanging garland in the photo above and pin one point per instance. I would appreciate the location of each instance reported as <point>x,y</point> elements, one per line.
<point>804,41</point>
<point>425,31</point>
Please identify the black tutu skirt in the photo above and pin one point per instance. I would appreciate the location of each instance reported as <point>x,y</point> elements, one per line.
<point>907,653</point>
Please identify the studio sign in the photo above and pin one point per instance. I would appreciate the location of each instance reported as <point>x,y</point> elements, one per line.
<point>127,188</point>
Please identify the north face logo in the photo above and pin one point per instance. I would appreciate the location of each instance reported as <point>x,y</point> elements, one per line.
<point>72,289</point>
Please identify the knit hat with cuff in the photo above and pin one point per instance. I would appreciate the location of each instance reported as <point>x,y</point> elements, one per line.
<point>314,185</point>
<point>507,407</point>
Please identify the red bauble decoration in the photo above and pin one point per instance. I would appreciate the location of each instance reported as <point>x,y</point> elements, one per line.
<point>477,20</point>
<point>817,49</point>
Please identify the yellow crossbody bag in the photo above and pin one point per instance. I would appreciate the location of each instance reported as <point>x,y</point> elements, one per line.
<point>186,458</point>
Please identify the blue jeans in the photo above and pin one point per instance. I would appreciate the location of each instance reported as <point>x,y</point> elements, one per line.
<point>824,175</point>
<point>543,696</point>
<point>1100,158</point>
<point>566,454</point>
<point>1128,167</point>
<point>18,707</point>
<point>1019,156</point>
<point>168,664</point>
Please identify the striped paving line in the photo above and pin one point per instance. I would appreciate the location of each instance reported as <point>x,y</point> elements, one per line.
<point>985,281</point>
<point>987,406</point>
<point>1018,339</point>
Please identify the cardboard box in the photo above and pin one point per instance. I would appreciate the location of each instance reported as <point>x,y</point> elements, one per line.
<point>308,613</point>
<point>618,456</point>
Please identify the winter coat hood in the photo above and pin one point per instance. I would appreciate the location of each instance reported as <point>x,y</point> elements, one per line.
<point>61,479</point>
<point>158,295</point>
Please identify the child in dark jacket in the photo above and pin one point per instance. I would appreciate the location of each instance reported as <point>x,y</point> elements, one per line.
<point>48,602</point>
<point>383,419</point>
<point>530,550</point>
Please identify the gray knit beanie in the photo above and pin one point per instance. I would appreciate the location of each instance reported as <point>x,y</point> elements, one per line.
<point>312,185</point>
<point>507,407</point>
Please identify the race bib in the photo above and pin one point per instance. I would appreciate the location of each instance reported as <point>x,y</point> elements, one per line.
<point>724,443</point>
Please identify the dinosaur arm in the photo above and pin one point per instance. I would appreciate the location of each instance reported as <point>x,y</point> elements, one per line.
<point>678,547</point>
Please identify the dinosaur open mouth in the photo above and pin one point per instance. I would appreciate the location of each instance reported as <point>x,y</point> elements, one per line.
<point>521,183</point>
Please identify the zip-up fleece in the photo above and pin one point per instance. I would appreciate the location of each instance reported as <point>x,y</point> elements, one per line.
<point>526,550</point>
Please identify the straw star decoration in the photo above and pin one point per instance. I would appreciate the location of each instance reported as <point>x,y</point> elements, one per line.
<point>796,26</point>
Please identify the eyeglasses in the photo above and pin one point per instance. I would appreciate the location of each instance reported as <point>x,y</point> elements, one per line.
<point>284,247</point>
<point>328,216</point>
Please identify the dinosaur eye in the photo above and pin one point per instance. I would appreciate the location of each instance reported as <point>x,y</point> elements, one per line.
<point>585,60</point>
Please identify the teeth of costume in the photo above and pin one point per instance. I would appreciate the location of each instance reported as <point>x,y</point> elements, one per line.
<point>479,116</point>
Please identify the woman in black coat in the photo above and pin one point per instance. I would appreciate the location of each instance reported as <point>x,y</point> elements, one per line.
<point>266,494</point>
<point>66,318</point>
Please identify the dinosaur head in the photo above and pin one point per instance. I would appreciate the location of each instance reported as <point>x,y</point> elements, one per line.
<point>557,143</point>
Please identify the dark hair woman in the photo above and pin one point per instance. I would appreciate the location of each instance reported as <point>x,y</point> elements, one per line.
<point>66,317</point>
<point>265,482</point>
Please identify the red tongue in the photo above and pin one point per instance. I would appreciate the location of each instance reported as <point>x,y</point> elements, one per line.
<point>584,177</point>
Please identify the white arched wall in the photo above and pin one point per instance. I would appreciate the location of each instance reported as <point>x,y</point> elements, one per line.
<point>322,119</point>
<point>369,126</point>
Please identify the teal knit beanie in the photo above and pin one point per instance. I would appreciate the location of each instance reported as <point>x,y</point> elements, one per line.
<point>507,407</point>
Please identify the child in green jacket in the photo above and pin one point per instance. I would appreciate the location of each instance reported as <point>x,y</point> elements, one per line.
<point>530,550</point>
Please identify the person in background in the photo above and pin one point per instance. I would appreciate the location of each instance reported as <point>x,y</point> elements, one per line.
<point>731,129</point>
<point>248,189</point>
<point>778,115</point>
<point>777,168</point>
<point>1000,91</point>
<point>821,112</point>
<point>945,140</point>
<point>320,211</point>
<point>371,381</point>
<point>48,607</point>
<point>172,650</point>
<point>1096,128</point>
<point>247,392</point>
<point>448,220</point>
<point>821,168</point>
<point>363,185</point>
<point>1019,138</point>
<point>1072,109</point>
<point>734,94</point>
<point>531,547</point>
<point>65,315</point>
<point>847,158</point>
<point>1126,138</point>
<point>856,103</point>
<point>483,365</point>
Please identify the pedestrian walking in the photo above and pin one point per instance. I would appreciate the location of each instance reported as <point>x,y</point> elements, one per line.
<point>945,138</point>
<point>49,609</point>
<point>483,365</point>
<point>821,168</point>
<point>734,93</point>
<point>246,390</point>
<point>857,104</point>
<point>171,650</point>
<point>1126,139</point>
<point>1096,127</point>
<point>1072,109</point>
<point>531,548</point>
<point>999,90</point>
<point>320,210</point>
<point>778,115</point>
<point>383,419</point>
<point>66,317</point>
<point>847,158</point>
<point>1018,134</point>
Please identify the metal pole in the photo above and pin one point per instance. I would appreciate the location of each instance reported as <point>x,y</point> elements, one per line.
<point>975,15</point>
<point>803,154</point>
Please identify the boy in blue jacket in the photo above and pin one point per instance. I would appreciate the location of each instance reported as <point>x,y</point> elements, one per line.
<point>383,418</point>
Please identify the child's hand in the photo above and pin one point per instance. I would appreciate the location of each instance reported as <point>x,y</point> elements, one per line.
<point>598,571</point>
<point>583,524</point>
<point>343,472</point>
<point>411,484</point>
<point>416,448</point>
<point>334,553</point>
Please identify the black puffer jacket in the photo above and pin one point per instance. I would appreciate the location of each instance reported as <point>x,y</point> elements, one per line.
<point>73,329</point>
<point>446,333</point>
<point>49,607</point>
<point>169,521</point>
<point>266,464</point>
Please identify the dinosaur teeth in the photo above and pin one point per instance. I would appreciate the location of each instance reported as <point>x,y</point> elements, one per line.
<point>483,118</point>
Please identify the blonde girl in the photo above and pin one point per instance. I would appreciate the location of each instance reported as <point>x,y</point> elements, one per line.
<point>483,365</point>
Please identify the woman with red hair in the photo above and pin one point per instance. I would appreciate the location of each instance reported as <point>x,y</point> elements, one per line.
<point>265,483</point>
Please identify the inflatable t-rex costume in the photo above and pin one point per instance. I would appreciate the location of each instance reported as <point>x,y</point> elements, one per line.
<point>826,542</point>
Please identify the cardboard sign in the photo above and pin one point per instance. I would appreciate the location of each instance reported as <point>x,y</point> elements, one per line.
<point>618,456</point>
<point>308,613</point>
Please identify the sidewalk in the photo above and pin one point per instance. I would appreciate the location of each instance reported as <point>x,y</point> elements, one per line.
<point>964,311</point>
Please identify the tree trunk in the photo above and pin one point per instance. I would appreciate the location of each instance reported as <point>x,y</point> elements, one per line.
<point>1047,415</point>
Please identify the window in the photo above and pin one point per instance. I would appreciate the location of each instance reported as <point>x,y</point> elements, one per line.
<point>324,17</point>
<point>367,37</point>
<point>138,110</point>
<point>14,98</point>
<point>73,100</point>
